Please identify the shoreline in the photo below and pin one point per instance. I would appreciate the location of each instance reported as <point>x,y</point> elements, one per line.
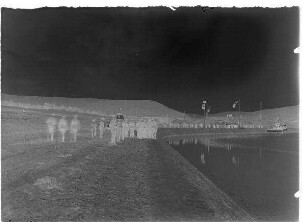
<point>215,138</point>
<point>214,133</point>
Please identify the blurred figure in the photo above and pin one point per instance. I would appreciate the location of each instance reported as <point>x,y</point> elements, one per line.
<point>154,129</point>
<point>145,129</point>
<point>138,129</point>
<point>93,125</point>
<point>119,130</point>
<point>235,160</point>
<point>102,127</point>
<point>202,158</point>
<point>125,129</point>
<point>75,127</point>
<point>63,127</point>
<point>131,129</point>
<point>112,127</point>
<point>150,129</point>
<point>229,147</point>
<point>51,124</point>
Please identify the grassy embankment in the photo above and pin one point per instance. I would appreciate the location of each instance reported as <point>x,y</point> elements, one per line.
<point>102,107</point>
<point>89,180</point>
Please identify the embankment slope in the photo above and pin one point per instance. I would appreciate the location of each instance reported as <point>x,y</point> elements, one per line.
<point>100,106</point>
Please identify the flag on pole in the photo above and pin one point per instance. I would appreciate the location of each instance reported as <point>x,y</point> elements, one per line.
<point>204,104</point>
<point>235,104</point>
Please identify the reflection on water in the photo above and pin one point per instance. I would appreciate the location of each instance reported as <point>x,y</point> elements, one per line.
<point>260,174</point>
<point>235,160</point>
<point>203,158</point>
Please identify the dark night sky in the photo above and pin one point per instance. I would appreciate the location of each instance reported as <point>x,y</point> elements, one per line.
<point>176,58</point>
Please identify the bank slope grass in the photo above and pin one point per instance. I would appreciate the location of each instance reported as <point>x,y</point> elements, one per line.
<point>138,108</point>
<point>89,180</point>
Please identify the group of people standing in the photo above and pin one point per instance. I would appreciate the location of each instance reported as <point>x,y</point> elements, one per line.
<point>119,128</point>
<point>141,129</point>
<point>62,126</point>
<point>94,125</point>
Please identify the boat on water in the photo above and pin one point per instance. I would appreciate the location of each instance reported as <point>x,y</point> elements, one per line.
<point>278,128</point>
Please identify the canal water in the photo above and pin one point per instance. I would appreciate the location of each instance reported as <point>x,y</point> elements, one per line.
<point>260,172</point>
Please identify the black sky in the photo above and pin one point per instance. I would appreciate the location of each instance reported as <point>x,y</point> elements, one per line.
<point>173,57</point>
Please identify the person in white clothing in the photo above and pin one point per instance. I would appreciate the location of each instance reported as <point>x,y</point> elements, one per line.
<point>93,125</point>
<point>112,127</point>
<point>51,125</point>
<point>63,127</point>
<point>75,127</point>
<point>102,127</point>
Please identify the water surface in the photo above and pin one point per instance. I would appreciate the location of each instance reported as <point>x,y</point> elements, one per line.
<point>259,172</point>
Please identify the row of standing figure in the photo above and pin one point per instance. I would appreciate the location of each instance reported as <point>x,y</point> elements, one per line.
<point>212,126</point>
<point>141,129</point>
<point>120,129</point>
<point>62,127</point>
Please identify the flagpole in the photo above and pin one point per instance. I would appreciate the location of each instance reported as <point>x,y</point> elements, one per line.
<point>204,117</point>
<point>239,115</point>
<point>204,111</point>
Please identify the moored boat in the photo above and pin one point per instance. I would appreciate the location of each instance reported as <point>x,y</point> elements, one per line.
<point>278,128</point>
